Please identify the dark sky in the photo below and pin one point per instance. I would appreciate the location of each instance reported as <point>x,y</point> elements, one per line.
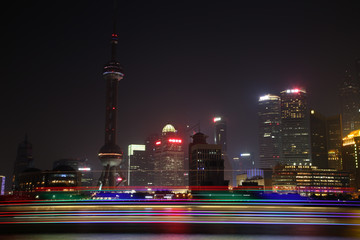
<point>184,62</point>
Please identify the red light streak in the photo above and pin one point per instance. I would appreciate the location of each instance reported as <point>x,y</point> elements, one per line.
<point>173,140</point>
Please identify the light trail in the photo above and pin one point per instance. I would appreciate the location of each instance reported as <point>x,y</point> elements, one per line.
<point>326,213</point>
<point>188,222</point>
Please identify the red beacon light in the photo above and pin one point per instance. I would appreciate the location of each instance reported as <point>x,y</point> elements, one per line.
<point>295,90</point>
<point>173,140</point>
<point>158,143</point>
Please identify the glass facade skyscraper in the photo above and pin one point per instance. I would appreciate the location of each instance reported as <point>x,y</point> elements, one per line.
<point>295,136</point>
<point>220,133</point>
<point>334,141</point>
<point>351,157</point>
<point>318,137</point>
<point>269,112</point>
<point>220,137</point>
<point>350,104</point>
<point>206,166</point>
<point>137,174</point>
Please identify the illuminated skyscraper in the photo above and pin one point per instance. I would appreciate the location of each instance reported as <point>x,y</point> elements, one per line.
<point>269,111</point>
<point>220,133</point>
<point>206,166</point>
<point>295,137</point>
<point>350,104</point>
<point>351,157</point>
<point>24,160</point>
<point>169,159</point>
<point>110,154</point>
<point>137,172</point>
<point>220,137</point>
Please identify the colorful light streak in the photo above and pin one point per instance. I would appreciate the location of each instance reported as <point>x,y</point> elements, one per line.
<point>185,202</point>
<point>254,212</point>
<point>180,213</point>
<point>187,222</point>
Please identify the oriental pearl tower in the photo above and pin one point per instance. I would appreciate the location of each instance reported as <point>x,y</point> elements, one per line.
<point>110,154</point>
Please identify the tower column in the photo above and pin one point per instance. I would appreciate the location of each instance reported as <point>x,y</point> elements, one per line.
<point>110,154</point>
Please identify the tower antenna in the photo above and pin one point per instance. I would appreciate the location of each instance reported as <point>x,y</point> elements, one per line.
<point>114,36</point>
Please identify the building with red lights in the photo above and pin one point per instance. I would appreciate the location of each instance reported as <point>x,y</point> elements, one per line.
<point>295,137</point>
<point>169,159</point>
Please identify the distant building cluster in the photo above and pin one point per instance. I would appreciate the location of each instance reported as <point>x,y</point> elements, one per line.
<point>300,150</point>
<point>293,134</point>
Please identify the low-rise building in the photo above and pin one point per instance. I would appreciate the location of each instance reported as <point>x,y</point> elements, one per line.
<point>60,178</point>
<point>309,180</point>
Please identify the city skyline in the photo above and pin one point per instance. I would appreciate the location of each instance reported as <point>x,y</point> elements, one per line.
<point>57,94</point>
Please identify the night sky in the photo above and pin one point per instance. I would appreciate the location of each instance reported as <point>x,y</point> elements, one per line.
<point>184,62</point>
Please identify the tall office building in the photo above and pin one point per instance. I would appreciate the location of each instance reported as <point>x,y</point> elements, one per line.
<point>137,172</point>
<point>351,157</point>
<point>220,137</point>
<point>206,166</point>
<point>220,133</point>
<point>169,159</point>
<point>350,104</point>
<point>334,141</point>
<point>295,139</point>
<point>318,138</point>
<point>110,153</point>
<point>269,112</point>
<point>150,148</point>
<point>24,160</point>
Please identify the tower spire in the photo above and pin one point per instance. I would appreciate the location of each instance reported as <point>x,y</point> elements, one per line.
<point>114,35</point>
